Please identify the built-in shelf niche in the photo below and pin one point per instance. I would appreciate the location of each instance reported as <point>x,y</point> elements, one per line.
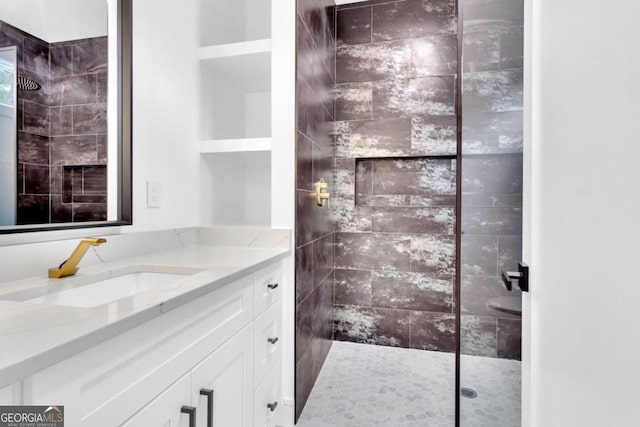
<point>240,188</point>
<point>236,101</point>
<point>230,21</point>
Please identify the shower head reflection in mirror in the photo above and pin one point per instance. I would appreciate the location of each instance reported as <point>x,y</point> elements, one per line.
<point>64,120</point>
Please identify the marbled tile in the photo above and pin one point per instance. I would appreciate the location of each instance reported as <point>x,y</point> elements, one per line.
<point>374,138</point>
<point>363,200</point>
<point>304,323</point>
<point>309,63</point>
<point>485,133</point>
<point>479,255</point>
<point>507,200</point>
<point>436,200</point>
<point>354,101</point>
<point>311,113</point>
<point>433,220</point>
<point>304,162</point>
<point>364,176</point>
<point>305,232</point>
<point>366,385</point>
<point>103,87</point>
<point>83,212</point>
<point>71,90</point>
<point>345,177</point>
<point>409,19</point>
<point>94,179</point>
<point>478,336</point>
<point>73,150</point>
<point>365,251</point>
<point>432,135</point>
<point>512,48</point>
<point>481,50</point>
<point>372,325</point>
<point>61,121</point>
<point>11,36</point>
<point>433,331</point>
<point>509,339</point>
<point>353,26</point>
<point>477,293</point>
<point>57,178</point>
<point>482,13</point>
<point>90,198</point>
<point>60,212</point>
<point>90,57</point>
<point>20,179</point>
<point>497,174</point>
<point>353,287</point>
<point>308,367</point>
<point>492,221</point>
<point>509,252</point>
<point>350,217</point>
<point>36,56</point>
<point>495,91</point>
<point>417,176</point>
<point>322,259</point>
<point>33,209</point>
<point>36,179</point>
<point>35,118</point>
<point>33,148</point>
<point>103,145</point>
<point>433,254</point>
<point>61,60</point>
<point>304,272</point>
<point>322,164</point>
<point>413,97</point>
<point>434,56</point>
<point>375,61</point>
<point>89,119</point>
<point>412,291</point>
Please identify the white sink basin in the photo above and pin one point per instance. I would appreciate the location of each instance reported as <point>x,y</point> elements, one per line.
<point>108,290</point>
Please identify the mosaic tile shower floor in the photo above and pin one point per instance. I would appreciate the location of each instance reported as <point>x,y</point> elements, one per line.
<point>365,386</point>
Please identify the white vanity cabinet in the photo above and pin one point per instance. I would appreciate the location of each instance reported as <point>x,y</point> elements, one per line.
<point>219,352</point>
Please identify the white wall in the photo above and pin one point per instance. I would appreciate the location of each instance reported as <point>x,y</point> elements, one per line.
<point>583,201</point>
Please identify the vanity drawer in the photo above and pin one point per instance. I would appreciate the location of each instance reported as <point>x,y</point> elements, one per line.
<point>268,341</point>
<point>267,287</point>
<point>106,384</point>
<point>268,401</point>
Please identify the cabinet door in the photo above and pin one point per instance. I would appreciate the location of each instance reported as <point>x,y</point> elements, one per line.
<point>268,401</point>
<point>165,410</point>
<point>228,374</point>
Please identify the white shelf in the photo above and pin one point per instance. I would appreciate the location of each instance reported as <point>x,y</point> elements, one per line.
<point>234,49</point>
<point>241,145</point>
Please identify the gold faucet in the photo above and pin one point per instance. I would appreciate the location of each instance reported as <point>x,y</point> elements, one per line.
<point>70,266</point>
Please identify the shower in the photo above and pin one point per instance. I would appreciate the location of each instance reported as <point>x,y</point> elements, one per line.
<point>27,84</point>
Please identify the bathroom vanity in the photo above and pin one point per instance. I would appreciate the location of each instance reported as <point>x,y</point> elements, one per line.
<point>203,348</point>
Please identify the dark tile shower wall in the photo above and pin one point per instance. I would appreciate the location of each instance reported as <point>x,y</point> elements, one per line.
<point>395,202</point>
<point>62,124</point>
<point>314,224</point>
<point>491,173</point>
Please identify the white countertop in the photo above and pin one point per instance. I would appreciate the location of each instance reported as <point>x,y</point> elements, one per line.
<point>34,336</point>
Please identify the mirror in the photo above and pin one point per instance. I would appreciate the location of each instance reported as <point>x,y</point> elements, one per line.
<point>65,114</point>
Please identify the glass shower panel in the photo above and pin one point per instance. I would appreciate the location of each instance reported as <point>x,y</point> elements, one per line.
<point>491,220</point>
<point>8,143</point>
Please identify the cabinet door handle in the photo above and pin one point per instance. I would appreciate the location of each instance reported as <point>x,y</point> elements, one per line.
<point>272,406</point>
<point>272,340</point>
<point>272,285</point>
<point>209,394</point>
<point>191,411</point>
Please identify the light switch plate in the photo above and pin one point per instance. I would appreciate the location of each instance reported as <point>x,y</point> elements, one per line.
<point>153,194</point>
